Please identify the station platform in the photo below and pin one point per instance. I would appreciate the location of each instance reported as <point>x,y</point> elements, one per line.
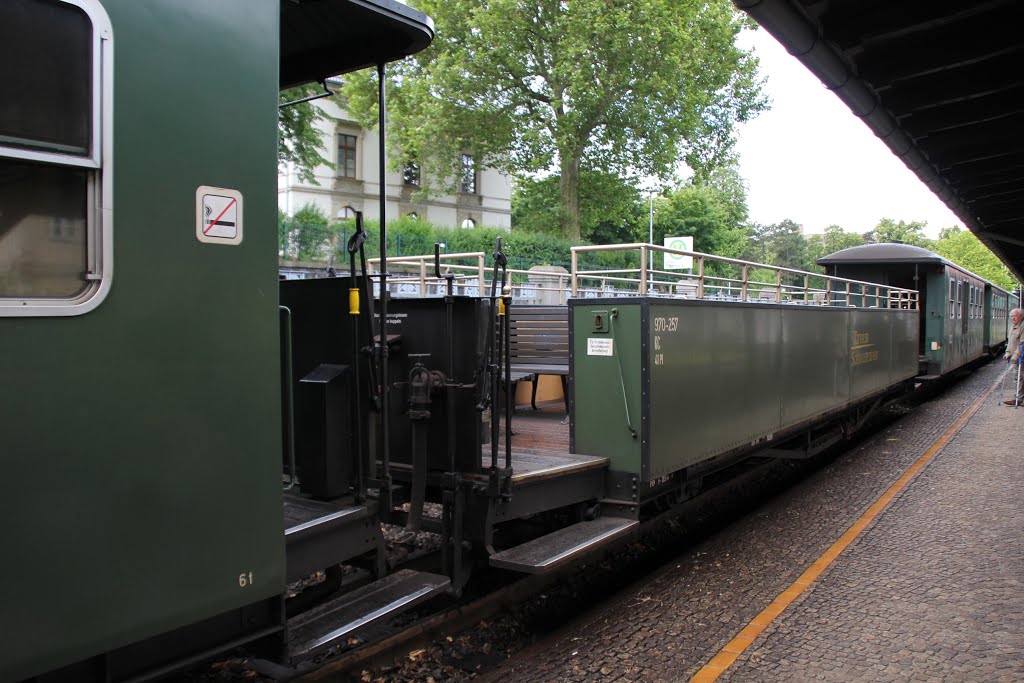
<point>901,560</point>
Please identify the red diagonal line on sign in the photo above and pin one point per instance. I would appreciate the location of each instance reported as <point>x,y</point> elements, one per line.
<point>214,221</point>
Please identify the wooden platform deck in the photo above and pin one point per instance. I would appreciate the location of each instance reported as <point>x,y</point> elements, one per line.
<point>540,446</point>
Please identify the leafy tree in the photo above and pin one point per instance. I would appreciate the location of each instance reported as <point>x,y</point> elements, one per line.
<point>307,236</point>
<point>782,244</point>
<point>832,240</point>
<point>703,212</point>
<point>627,86</point>
<point>609,207</point>
<point>298,137</point>
<point>730,186</point>
<point>837,239</point>
<point>902,232</point>
<point>963,248</point>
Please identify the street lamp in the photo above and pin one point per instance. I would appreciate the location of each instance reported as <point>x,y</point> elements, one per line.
<point>650,240</point>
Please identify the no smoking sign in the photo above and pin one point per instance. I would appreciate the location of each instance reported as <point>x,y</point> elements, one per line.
<point>218,215</point>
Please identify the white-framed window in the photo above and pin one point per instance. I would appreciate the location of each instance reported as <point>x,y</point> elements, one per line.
<point>411,174</point>
<point>346,213</point>
<point>467,181</point>
<point>347,148</point>
<point>468,223</point>
<point>56,129</point>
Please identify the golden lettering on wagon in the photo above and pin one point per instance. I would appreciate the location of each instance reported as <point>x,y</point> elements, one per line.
<point>862,351</point>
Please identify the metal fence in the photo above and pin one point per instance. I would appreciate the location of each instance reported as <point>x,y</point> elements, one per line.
<point>414,276</point>
<point>720,278</point>
<point>710,278</point>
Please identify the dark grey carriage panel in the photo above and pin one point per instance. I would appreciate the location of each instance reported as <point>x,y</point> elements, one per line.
<point>721,376</point>
<point>905,342</point>
<point>710,366</point>
<point>815,374</point>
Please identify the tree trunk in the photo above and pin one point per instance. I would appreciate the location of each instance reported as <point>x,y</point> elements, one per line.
<point>569,191</point>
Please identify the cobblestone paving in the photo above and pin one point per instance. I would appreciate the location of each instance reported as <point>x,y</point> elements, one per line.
<point>934,591</point>
<point>667,626</point>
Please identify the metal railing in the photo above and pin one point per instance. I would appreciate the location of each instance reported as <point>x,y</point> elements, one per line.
<point>413,276</point>
<point>711,278</point>
<point>715,277</point>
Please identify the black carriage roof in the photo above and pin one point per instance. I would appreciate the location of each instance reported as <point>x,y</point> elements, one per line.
<point>885,252</point>
<point>323,38</point>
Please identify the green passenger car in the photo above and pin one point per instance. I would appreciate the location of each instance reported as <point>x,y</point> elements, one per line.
<point>957,327</point>
<point>140,413</point>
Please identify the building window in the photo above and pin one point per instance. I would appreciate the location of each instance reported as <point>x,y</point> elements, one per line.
<point>55,158</point>
<point>346,214</point>
<point>468,223</point>
<point>467,183</point>
<point>411,174</point>
<point>346,155</point>
<point>413,216</point>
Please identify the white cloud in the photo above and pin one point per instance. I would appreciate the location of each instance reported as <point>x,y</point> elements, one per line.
<point>811,160</point>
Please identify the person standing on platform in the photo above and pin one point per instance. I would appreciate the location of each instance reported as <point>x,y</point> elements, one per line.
<point>1013,351</point>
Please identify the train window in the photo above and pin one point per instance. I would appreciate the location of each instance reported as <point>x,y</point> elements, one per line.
<point>55,63</point>
<point>46,50</point>
<point>952,298</point>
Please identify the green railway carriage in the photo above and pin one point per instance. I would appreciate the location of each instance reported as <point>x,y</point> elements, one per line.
<point>998,304</point>
<point>962,315</point>
<point>152,368</point>
<point>662,385</point>
<point>140,401</point>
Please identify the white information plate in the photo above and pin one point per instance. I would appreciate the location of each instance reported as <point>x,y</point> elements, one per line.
<point>675,261</point>
<point>218,215</point>
<point>599,346</point>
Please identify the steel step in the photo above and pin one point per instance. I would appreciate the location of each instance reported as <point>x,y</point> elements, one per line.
<point>544,554</point>
<point>329,624</point>
<point>318,535</point>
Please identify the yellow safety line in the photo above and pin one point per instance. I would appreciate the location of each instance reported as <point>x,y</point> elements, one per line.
<point>731,652</point>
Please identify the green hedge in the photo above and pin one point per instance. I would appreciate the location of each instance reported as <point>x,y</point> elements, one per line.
<point>305,242</point>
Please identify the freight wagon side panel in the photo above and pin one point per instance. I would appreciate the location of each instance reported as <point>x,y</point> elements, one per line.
<point>719,376</point>
<point>714,378</point>
<point>815,374</point>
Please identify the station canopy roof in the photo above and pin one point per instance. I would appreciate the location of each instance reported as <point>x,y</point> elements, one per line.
<point>323,38</point>
<point>940,82</point>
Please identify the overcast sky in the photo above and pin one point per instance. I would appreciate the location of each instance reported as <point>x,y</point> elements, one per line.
<point>811,160</point>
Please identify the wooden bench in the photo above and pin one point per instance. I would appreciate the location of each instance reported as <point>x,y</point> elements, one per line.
<point>539,345</point>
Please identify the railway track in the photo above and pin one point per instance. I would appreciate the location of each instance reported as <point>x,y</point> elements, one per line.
<point>463,638</point>
<point>450,639</point>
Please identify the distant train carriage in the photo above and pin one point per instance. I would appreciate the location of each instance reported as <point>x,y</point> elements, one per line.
<point>998,304</point>
<point>963,316</point>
